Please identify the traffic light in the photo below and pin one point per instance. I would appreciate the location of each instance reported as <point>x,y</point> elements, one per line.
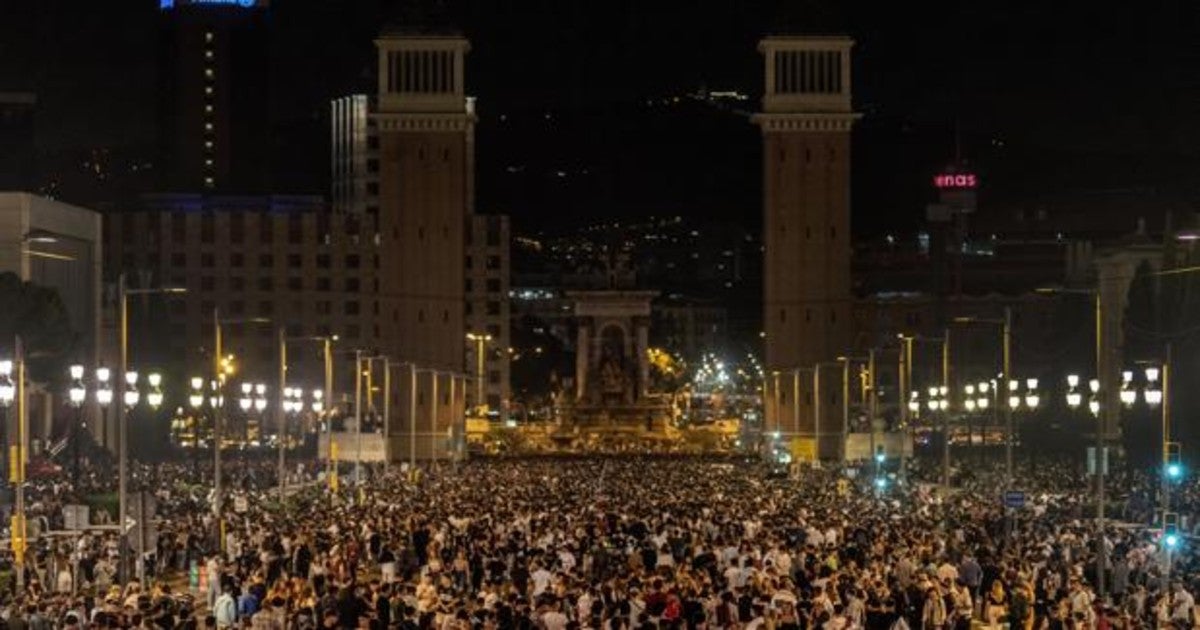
<point>1174,468</point>
<point>879,454</point>
<point>1171,537</point>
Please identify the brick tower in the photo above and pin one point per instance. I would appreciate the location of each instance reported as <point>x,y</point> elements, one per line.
<point>806,120</point>
<point>426,179</point>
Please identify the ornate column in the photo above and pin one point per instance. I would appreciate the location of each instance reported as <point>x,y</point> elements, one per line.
<point>583,345</point>
<point>643,334</point>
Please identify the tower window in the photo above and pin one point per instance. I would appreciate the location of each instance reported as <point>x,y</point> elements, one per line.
<point>807,315</point>
<point>783,314</point>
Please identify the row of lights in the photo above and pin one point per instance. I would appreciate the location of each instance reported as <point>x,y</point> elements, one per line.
<point>977,396</point>
<point>77,393</point>
<point>254,396</point>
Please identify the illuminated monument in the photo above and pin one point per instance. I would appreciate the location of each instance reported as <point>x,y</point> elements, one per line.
<point>610,403</point>
<point>806,120</point>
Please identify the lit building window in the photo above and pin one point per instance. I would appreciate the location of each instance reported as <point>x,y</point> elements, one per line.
<point>208,36</point>
<point>208,54</point>
<point>208,181</point>
<point>208,73</point>
<point>208,126</point>
<point>208,144</point>
<point>208,109</point>
<point>208,90</point>
<point>208,163</point>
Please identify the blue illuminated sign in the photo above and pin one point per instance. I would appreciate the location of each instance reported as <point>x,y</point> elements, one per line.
<point>170,4</point>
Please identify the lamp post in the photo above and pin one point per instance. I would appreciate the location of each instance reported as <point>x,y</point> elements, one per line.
<point>76,394</point>
<point>130,398</point>
<point>123,293</point>
<point>1102,426</point>
<point>1006,370</point>
<point>222,368</point>
<point>14,390</point>
<point>1156,392</point>
<point>326,342</point>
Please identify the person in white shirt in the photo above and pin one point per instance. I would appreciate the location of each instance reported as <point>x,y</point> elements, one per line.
<point>1182,603</point>
<point>541,579</point>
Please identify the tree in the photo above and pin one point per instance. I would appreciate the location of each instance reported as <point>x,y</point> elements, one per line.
<point>37,314</point>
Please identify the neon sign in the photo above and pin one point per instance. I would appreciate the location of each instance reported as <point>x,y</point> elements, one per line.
<point>170,4</point>
<point>955,180</point>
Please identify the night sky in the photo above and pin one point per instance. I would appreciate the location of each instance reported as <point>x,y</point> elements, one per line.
<point>1047,97</point>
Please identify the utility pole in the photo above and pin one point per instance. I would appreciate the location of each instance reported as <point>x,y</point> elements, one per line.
<point>872,402</point>
<point>1008,413</point>
<point>358,418</point>
<point>280,415</point>
<point>946,412</point>
<point>387,418</point>
<point>412,417</point>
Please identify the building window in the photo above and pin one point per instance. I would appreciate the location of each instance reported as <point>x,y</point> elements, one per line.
<point>351,308</point>
<point>295,284</point>
<point>266,261</point>
<point>237,307</point>
<point>266,308</point>
<point>294,261</point>
<point>323,261</point>
<point>469,309</point>
<point>352,331</point>
<point>237,227</point>
<point>206,260</point>
<point>494,377</point>
<point>468,286</point>
<point>178,228</point>
<point>493,262</point>
<point>208,227</point>
<point>266,225</point>
<point>265,284</point>
<point>237,284</point>
<point>178,259</point>
<point>493,285</point>
<point>352,261</point>
<point>493,307</point>
<point>322,284</point>
<point>324,307</point>
<point>468,263</point>
<point>352,284</point>
<point>295,229</point>
<point>237,261</point>
<point>207,283</point>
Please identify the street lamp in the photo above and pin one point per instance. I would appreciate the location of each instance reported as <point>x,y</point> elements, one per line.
<point>155,396</point>
<point>77,393</point>
<point>318,403</point>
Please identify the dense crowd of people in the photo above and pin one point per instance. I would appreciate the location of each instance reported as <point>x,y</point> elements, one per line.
<point>612,544</point>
